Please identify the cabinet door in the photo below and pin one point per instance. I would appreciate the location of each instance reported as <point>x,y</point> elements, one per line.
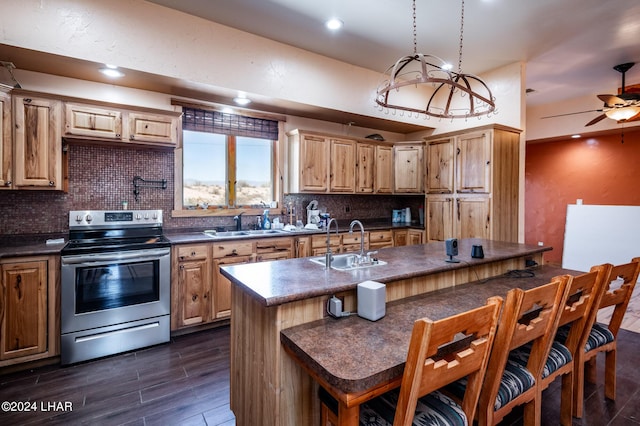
<point>38,143</point>
<point>383,178</point>
<point>303,247</point>
<point>274,249</point>
<point>408,169</point>
<point>194,285</point>
<point>153,128</point>
<point>222,286</point>
<point>24,309</point>
<point>84,120</point>
<point>473,217</point>
<point>6,142</point>
<point>314,163</point>
<point>365,168</point>
<point>414,237</point>
<point>473,163</point>
<point>399,238</point>
<point>343,166</point>
<point>440,166</point>
<point>439,218</point>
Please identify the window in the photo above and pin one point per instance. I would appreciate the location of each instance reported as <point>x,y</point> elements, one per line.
<point>228,161</point>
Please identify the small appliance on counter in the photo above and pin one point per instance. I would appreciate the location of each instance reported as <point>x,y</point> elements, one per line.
<point>397,216</point>
<point>313,214</point>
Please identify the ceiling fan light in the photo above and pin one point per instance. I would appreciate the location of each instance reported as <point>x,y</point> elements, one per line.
<point>624,113</point>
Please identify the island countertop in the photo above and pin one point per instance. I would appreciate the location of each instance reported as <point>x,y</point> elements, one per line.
<point>284,281</point>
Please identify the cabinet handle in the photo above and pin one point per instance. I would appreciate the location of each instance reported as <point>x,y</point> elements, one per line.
<point>28,100</point>
<point>8,183</point>
<point>193,253</point>
<point>234,252</point>
<point>18,282</point>
<point>458,151</point>
<point>181,267</point>
<point>52,183</point>
<point>194,297</point>
<point>458,208</point>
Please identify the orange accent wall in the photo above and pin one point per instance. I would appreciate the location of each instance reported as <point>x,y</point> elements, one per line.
<point>599,170</point>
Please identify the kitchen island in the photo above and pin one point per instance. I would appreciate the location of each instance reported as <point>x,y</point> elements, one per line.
<point>267,386</point>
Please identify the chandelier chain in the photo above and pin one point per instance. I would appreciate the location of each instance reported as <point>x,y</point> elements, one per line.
<point>461,39</point>
<point>415,38</point>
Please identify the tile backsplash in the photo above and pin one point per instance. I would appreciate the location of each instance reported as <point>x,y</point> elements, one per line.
<point>101,178</point>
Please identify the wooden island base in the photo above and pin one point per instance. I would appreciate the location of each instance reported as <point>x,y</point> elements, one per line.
<point>267,386</point>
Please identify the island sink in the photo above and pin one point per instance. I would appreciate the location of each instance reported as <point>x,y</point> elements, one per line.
<point>347,262</point>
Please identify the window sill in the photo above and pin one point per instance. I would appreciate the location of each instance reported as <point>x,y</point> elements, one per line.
<point>223,212</point>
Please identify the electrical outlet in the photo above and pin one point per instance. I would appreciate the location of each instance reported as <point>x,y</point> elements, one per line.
<point>347,209</point>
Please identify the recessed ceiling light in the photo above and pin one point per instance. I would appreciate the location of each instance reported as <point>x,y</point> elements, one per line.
<point>111,71</point>
<point>576,136</point>
<point>334,24</point>
<point>242,100</point>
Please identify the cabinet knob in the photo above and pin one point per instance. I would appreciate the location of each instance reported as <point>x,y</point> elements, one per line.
<point>234,251</point>
<point>8,183</point>
<point>193,253</point>
<point>52,183</point>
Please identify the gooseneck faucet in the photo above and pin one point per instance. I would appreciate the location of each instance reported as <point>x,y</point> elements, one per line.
<point>237,218</point>
<point>357,222</point>
<point>328,257</point>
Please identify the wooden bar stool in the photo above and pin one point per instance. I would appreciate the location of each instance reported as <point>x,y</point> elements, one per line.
<point>440,352</point>
<point>603,337</point>
<point>529,317</point>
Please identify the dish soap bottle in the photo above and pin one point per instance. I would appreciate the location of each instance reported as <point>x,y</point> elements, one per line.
<point>266,223</point>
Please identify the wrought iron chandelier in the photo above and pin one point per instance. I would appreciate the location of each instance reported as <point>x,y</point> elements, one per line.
<point>450,94</point>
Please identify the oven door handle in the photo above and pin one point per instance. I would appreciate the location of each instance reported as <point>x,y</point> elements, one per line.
<point>110,257</point>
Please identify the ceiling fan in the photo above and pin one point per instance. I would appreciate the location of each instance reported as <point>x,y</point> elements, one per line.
<point>619,107</point>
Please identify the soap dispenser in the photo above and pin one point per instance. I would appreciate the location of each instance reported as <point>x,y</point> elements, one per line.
<point>266,223</point>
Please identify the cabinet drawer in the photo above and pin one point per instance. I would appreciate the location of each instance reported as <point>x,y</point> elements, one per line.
<point>354,238</point>
<point>153,128</point>
<point>84,120</point>
<point>274,245</point>
<point>380,236</point>
<point>319,241</point>
<point>192,252</point>
<point>232,249</point>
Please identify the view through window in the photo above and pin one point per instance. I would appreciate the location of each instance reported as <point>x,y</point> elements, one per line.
<point>211,162</point>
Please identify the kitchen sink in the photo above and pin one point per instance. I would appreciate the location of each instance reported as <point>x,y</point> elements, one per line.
<point>237,234</point>
<point>347,262</point>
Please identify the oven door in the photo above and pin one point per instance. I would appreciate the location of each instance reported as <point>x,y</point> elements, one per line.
<point>105,289</point>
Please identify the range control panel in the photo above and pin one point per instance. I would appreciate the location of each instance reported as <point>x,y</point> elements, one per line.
<point>100,219</point>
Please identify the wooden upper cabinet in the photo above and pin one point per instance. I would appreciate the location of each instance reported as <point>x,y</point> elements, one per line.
<point>6,142</point>
<point>408,168</point>
<point>342,165</point>
<point>473,171</point>
<point>119,124</point>
<point>383,179</point>
<point>440,166</point>
<point>439,218</point>
<point>153,128</point>
<point>38,143</point>
<point>365,167</point>
<point>314,163</point>
<point>85,120</point>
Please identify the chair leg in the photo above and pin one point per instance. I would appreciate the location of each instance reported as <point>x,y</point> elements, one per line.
<point>578,387</point>
<point>566,400</point>
<point>590,373</point>
<point>533,410</point>
<point>610,374</point>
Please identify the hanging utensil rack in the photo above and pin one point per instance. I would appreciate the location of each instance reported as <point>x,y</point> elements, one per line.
<point>139,182</point>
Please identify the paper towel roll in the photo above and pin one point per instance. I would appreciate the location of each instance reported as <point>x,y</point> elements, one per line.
<point>407,215</point>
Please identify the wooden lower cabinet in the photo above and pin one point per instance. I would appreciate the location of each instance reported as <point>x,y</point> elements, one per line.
<point>29,309</point>
<point>414,236</point>
<point>222,296</point>
<point>399,237</point>
<point>191,290</point>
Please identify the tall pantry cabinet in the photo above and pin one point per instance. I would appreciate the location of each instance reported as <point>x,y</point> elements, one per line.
<point>472,184</point>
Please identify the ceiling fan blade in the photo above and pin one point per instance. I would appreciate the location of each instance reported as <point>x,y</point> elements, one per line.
<point>595,120</point>
<point>612,100</point>
<point>572,113</point>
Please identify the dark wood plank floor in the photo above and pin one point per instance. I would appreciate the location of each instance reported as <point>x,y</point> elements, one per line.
<point>186,382</point>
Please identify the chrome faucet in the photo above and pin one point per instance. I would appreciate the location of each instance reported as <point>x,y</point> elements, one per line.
<point>238,221</point>
<point>328,257</point>
<point>357,222</point>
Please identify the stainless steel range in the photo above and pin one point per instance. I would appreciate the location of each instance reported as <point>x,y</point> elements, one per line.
<point>115,288</point>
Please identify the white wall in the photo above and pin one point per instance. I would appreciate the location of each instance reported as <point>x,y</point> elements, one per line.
<point>146,37</point>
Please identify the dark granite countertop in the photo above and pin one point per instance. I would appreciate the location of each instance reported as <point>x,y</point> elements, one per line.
<point>283,281</point>
<point>30,245</point>
<point>384,343</point>
<point>197,236</point>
